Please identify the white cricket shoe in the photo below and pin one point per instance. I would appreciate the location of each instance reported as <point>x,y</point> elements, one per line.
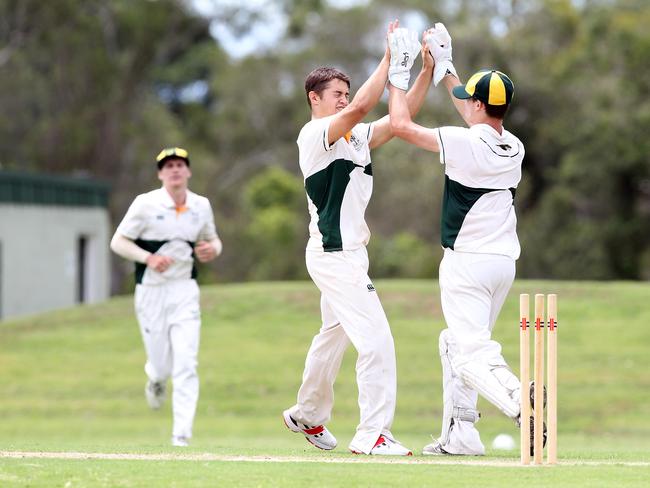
<point>319,436</point>
<point>180,441</point>
<point>154,391</point>
<point>387,447</point>
<point>435,449</point>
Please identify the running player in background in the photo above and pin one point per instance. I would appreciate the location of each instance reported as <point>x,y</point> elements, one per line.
<point>163,232</point>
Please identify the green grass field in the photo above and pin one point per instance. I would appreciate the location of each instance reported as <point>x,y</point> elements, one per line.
<point>72,381</point>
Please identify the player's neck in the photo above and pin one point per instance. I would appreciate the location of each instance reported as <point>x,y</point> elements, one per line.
<point>178,194</point>
<point>319,113</point>
<point>496,124</point>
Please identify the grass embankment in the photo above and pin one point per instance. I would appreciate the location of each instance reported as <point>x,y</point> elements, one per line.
<point>73,381</point>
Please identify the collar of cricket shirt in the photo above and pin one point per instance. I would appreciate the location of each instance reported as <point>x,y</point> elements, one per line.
<point>168,201</point>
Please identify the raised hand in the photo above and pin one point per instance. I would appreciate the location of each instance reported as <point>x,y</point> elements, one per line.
<point>404,49</point>
<point>439,42</point>
<point>427,57</point>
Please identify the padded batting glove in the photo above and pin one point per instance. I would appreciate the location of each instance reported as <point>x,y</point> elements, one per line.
<point>404,49</point>
<point>439,42</point>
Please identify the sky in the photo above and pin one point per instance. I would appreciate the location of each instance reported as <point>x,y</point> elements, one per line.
<point>267,33</point>
<point>264,34</point>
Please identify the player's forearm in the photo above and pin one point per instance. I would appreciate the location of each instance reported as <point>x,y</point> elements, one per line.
<point>450,82</point>
<point>128,249</point>
<point>403,126</point>
<point>400,118</point>
<point>370,92</point>
<point>417,94</point>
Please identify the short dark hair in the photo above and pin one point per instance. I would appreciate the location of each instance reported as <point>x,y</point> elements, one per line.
<point>495,111</point>
<point>318,79</point>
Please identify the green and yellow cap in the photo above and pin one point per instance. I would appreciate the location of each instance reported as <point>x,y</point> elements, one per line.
<point>489,86</point>
<point>172,152</point>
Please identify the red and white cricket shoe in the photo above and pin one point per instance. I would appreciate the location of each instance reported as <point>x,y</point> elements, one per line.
<point>387,447</point>
<point>319,436</point>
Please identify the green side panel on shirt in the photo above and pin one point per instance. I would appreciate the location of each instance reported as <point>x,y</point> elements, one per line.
<point>195,272</point>
<point>152,247</point>
<point>326,189</point>
<point>457,201</point>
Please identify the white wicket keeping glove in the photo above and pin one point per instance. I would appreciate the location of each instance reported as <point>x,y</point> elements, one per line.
<point>439,42</point>
<point>442,69</point>
<point>404,49</point>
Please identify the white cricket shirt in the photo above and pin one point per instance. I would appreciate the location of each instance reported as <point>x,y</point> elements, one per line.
<point>482,171</point>
<point>155,224</point>
<point>338,182</point>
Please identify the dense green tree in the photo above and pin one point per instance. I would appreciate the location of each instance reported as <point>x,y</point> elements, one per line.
<point>585,210</point>
<point>275,235</point>
<point>96,88</point>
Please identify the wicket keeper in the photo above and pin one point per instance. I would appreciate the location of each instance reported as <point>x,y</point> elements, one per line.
<point>479,236</point>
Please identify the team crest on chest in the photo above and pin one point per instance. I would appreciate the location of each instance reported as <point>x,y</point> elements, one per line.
<point>357,143</point>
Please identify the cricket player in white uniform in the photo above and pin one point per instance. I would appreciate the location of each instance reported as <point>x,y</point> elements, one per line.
<point>334,154</point>
<point>478,232</point>
<point>162,232</point>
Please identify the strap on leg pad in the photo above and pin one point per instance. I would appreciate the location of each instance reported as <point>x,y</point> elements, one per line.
<point>466,414</point>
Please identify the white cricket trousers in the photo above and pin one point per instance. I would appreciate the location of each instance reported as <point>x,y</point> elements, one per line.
<point>351,313</point>
<point>473,288</point>
<point>170,322</point>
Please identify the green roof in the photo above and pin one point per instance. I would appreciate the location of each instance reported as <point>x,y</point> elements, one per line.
<point>42,189</point>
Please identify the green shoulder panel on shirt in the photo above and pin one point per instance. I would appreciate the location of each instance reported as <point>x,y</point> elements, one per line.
<point>326,189</point>
<point>457,201</point>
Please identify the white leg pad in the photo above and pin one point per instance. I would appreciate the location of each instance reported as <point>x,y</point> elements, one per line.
<point>447,389</point>
<point>458,434</point>
<point>497,384</point>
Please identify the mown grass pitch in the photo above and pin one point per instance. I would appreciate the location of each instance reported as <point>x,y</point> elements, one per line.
<point>72,381</point>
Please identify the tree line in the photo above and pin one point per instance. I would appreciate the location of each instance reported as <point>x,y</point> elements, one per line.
<point>95,88</point>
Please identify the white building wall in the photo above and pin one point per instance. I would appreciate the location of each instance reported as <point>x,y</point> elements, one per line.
<point>39,257</point>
